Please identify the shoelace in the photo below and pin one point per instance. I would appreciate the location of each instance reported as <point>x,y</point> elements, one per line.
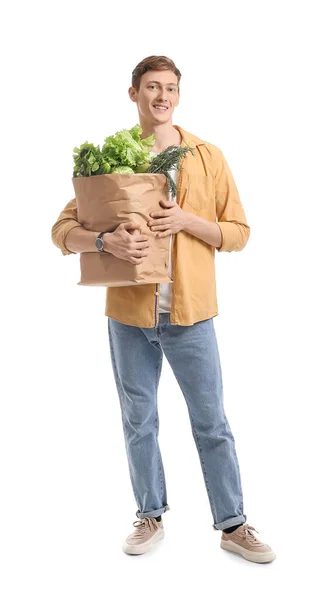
<point>141,526</point>
<point>246,533</point>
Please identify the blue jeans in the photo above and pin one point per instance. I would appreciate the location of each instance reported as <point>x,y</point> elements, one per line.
<point>192,352</point>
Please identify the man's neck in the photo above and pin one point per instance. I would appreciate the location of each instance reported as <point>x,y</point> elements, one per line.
<point>165,135</point>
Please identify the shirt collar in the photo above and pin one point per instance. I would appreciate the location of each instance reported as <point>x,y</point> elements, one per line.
<point>188,139</point>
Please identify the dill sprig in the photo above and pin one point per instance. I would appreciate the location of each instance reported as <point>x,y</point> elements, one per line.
<point>169,158</point>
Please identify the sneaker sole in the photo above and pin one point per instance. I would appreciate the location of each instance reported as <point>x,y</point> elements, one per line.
<point>142,548</point>
<point>258,557</point>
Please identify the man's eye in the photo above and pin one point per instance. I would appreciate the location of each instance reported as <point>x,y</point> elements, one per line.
<point>151,86</point>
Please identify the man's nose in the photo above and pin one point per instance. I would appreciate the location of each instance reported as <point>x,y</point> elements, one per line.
<point>162,97</point>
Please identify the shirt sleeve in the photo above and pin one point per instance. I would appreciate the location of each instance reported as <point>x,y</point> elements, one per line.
<point>230,213</point>
<point>66,220</point>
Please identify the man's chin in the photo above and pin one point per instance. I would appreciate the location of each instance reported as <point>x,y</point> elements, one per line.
<point>162,118</point>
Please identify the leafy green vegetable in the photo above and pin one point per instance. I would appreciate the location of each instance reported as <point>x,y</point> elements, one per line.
<point>142,168</point>
<point>167,159</point>
<point>126,149</point>
<point>122,170</point>
<point>126,152</point>
<point>146,142</point>
<point>88,160</point>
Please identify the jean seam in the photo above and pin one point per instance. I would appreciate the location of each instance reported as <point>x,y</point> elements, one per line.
<point>156,420</point>
<point>119,386</point>
<point>156,427</point>
<point>203,468</point>
<point>241,506</point>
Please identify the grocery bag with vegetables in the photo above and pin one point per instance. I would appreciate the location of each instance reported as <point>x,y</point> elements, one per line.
<point>118,183</point>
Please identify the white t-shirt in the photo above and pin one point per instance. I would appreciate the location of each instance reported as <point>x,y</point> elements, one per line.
<point>165,288</point>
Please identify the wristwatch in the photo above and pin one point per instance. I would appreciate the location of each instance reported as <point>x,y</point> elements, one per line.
<point>99,241</point>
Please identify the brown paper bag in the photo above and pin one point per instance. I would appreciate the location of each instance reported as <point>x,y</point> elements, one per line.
<point>105,201</point>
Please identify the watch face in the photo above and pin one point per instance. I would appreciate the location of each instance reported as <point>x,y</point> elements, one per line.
<point>99,244</point>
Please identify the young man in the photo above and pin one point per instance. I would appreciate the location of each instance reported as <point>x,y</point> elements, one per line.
<point>176,319</point>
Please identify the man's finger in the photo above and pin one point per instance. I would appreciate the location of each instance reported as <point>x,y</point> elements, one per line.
<point>159,222</point>
<point>159,227</point>
<point>164,234</point>
<point>160,213</point>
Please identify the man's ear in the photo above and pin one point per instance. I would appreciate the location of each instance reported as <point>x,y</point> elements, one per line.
<point>132,94</point>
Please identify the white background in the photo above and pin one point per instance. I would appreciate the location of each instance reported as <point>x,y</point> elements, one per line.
<point>251,85</point>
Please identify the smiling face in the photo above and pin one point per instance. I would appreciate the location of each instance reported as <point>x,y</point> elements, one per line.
<point>157,89</point>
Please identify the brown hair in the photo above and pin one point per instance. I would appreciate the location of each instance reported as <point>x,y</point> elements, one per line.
<point>153,63</point>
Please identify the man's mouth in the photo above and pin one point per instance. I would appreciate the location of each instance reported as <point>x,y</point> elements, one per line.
<point>160,107</point>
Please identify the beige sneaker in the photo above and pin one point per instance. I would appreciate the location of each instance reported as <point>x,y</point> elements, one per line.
<point>243,541</point>
<point>147,532</point>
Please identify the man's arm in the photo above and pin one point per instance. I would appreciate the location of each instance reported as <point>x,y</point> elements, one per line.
<point>70,236</point>
<point>204,230</point>
<point>231,231</point>
<point>66,221</point>
<point>80,239</point>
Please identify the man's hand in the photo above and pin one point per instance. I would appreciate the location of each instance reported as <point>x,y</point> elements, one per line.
<point>170,220</point>
<point>127,246</point>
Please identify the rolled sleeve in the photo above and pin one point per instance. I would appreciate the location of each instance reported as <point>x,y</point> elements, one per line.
<point>66,221</point>
<point>230,213</point>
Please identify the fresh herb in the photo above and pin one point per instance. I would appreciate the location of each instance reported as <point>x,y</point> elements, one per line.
<point>169,158</point>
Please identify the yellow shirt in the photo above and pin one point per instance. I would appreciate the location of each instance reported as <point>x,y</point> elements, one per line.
<point>205,187</point>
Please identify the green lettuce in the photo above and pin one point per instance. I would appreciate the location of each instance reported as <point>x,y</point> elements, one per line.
<point>126,149</point>
<point>122,170</point>
<point>146,142</point>
<point>123,152</point>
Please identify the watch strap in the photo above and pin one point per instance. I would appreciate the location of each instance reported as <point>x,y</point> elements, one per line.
<point>101,234</point>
